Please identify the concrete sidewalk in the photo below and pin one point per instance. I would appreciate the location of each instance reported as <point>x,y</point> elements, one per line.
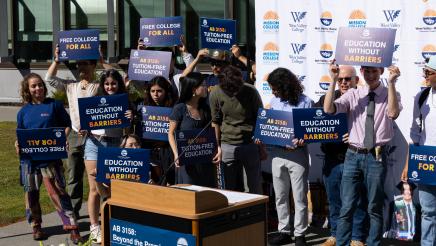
<point>21,233</point>
<point>9,113</point>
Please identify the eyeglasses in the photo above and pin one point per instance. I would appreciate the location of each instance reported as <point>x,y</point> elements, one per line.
<point>427,73</point>
<point>346,79</point>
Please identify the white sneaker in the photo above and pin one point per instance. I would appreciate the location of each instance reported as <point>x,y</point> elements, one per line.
<point>95,234</point>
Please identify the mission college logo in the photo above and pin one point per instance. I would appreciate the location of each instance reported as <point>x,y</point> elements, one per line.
<point>270,53</point>
<point>324,82</point>
<point>428,50</point>
<point>297,53</point>
<point>58,134</point>
<point>270,22</point>
<point>298,21</point>
<point>357,19</point>
<point>429,17</point>
<point>391,17</point>
<point>428,21</point>
<point>102,102</point>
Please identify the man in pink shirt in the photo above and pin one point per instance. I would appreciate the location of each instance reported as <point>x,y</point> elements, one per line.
<point>371,112</point>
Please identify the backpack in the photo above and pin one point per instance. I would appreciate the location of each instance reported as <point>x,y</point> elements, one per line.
<point>421,101</point>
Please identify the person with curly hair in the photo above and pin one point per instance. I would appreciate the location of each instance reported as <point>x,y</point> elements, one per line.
<point>234,105</point>
<point>42,112</point>
<point>290,165</point>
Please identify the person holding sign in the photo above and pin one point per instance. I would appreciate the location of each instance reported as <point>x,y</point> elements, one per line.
<point>111,83</point>
<point>421,133</point>
<point>371,111</point>
<point>334,155</point>
<point>234,105</point>
<point>290,165</point>
<point>86,86</point>
<point>158,93</point>
<point>192,112</point>
<point>42,112</point>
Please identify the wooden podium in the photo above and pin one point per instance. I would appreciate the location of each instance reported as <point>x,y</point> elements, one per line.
<point>214,217</point>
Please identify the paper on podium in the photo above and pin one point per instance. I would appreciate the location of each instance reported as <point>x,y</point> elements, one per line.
<point>232,196</point>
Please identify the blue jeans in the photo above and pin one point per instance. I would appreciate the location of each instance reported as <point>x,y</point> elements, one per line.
<point>332,174</point>
<point>362,169</point>
<point>427,199</point>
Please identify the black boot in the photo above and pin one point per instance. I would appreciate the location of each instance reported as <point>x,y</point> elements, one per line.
<point>300,241</point>
<point>279,238</point>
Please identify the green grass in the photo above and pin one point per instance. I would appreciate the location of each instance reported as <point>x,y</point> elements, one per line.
<point>12,206</point>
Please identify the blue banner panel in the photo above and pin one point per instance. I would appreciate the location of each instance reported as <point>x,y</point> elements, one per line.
<point>125,164</point>
<point>365,46</point>
<point>313,125</point>
<point>79,45</point>
<point>274,127</point>
<point>422,161</point>
<point>144,65</point>
<point>193,149</point>
<point>161,32</point>
<point>217,33</point>
<point>155,123</point>
<point>42,144</point>
<point>103,112</point>
<point>124,233</point>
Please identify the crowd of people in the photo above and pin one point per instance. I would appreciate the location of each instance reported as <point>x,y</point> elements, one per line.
<point>227,102</point>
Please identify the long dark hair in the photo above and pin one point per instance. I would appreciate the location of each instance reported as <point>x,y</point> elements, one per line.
<point>25,91</point>
<point>288,87</point>
<point>163,83</point>
<point>231,80</point>
<point>188,84</point>
<point>115,75</point>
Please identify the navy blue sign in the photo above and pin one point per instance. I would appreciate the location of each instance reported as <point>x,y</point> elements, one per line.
<point>274,127</point>
<point>147,64</point>
<point>124,233</point>
<point>365,46</point>
<point>217,33</point>
<point>313,125</point>
<point>79,45</point>
<point>196,150</point>
<point>125,164</point>
<point>155,122</point>
<point>422,161</point>
<point>103,112</point>
<point>161,32</point>
<point>42,144</point>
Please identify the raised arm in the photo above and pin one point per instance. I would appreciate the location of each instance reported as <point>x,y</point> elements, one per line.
<point>191,67</point>
<point>393,100</point>
<point>329,106</point>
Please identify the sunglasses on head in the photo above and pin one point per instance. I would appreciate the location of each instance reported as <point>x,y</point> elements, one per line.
<point>346,79</point>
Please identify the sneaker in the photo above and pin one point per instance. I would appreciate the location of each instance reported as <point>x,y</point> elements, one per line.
<point>95,234</point>
<point>356,243</point>
<point>331,241</point>
<point>279,238</point>
<point>300,241</point>
<point>38,234</point>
